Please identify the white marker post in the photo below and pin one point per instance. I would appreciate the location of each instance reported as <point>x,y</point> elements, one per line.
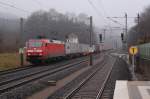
<point>21,52</point>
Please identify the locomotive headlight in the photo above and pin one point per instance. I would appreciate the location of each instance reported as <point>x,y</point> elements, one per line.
<point>28,54</point>
<point>39,51</point>
<point>29,50</point>
<point>40,54</point>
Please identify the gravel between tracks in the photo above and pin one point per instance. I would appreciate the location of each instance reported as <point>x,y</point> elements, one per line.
<point>21,73</point>
<point>91,88</point>
<point>61,83</point>
<point>30,88</point>
<point>120,71</point>
<point>43,94</point>
<point>70,86</point>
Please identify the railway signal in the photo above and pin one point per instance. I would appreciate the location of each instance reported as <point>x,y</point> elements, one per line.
<point>133,50</point>
<point>91,40</point>
<point>100,38</point>
<point>122,36</point>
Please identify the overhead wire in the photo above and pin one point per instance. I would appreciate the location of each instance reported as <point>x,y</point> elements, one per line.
<point>97,11</point>
<point>39,3</point>
<point>94,7</point>
<point>109,18</point>
<point>105,13</point>
<point>12,6</point>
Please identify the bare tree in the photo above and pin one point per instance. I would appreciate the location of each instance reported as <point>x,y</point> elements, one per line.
<point>140,33</point>
<point>55,25</point>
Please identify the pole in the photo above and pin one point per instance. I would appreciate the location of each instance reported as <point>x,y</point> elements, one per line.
<point>104,33</point>
<point>126,27</point>
<point>138,21</point>
<point>21,31</point>
<point>21,49</point>
<point>91,31</point>
<point>138,18</point>
<point>133,63</point>
<point>116,44</point>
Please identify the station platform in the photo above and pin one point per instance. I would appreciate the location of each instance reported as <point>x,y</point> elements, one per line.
<point>132,90</point>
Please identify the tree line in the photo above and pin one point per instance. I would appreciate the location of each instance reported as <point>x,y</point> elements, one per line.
<point>50,24</point>
<point>140,33</point>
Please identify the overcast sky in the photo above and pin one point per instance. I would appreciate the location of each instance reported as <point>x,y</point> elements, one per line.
<point>100,9</point>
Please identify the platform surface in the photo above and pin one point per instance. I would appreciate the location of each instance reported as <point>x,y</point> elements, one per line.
<point>132,90</point>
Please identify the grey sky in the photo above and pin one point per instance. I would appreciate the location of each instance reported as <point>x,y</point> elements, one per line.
<point>105,8</point>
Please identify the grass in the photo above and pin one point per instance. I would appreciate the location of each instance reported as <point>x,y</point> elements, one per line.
<point>9,61</point>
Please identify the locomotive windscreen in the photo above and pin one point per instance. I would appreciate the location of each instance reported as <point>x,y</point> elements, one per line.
<point>34,44</point>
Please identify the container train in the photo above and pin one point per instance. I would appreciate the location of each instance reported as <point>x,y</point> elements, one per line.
<point>43,50</point>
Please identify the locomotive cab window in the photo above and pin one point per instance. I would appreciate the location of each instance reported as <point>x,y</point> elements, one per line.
<point>35,44</point>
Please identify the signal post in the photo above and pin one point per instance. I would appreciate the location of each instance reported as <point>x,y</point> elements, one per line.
<point>91,31</point>
<point>133,50</point>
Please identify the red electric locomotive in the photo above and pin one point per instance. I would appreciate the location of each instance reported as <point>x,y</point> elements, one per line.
<point>41,50</point>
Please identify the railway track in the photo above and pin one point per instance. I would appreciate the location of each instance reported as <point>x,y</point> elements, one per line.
<point>15,70</point>
<point>10,71</point>
<point>18,73</point>
<point>120,68</point>
<point>24,71</point>
<point>17,82</point>
<point>98,78</point>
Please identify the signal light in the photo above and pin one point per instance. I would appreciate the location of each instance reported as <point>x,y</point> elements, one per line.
<point>40,54</point>
<point>28,54</point>
<point>100,37</point>
<point>122,36</point>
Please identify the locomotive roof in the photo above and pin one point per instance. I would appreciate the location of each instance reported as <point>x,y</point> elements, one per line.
<point>40,40</point>
<point>46,41</point>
